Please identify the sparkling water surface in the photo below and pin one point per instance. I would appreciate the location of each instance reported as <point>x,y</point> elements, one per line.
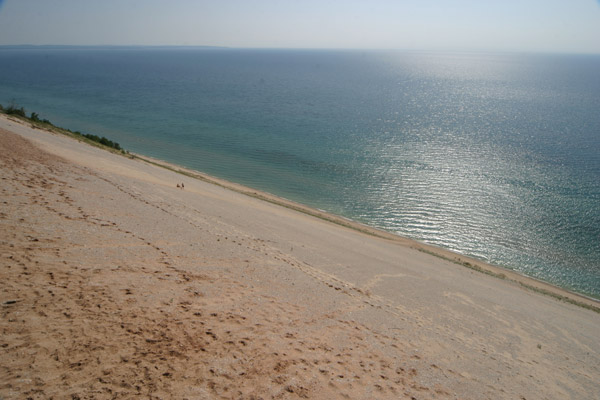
<point>496,156</point>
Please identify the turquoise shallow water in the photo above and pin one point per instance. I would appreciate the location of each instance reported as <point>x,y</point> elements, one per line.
<point>496,156</point>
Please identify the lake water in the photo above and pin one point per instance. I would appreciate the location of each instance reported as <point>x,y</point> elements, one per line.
<point>496,156</point>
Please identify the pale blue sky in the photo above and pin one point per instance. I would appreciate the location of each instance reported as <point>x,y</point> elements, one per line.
<point>511,25</point>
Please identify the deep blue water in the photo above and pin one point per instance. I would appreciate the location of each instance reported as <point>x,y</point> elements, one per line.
<point>496,156</point>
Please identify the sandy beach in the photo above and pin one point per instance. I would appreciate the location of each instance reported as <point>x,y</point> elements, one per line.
<point>118,284</point>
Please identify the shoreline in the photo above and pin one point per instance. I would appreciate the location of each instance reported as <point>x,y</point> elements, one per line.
<point>525,281</point>
<point>498,272</point>
<point>116,283</point>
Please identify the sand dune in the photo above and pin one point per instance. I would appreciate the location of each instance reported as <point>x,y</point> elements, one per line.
<point>117,284</point>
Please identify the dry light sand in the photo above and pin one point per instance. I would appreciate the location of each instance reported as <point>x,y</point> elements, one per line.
<point>117,284</point>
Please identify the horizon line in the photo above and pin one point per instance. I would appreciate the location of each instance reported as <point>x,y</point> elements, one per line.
<point>439,50</point>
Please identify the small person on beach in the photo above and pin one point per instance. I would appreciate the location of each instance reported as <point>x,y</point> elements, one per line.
<point>178,186</point>
<point>182,185</point>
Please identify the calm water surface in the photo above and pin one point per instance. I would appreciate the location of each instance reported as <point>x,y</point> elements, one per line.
<point>496,156</point>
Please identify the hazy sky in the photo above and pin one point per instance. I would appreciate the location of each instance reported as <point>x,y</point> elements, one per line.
<point>521,25</point>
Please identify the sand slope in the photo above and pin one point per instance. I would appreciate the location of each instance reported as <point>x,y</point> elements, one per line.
<point>117,284</point>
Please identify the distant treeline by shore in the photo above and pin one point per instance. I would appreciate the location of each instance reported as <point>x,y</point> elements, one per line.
<point>35,119</point>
